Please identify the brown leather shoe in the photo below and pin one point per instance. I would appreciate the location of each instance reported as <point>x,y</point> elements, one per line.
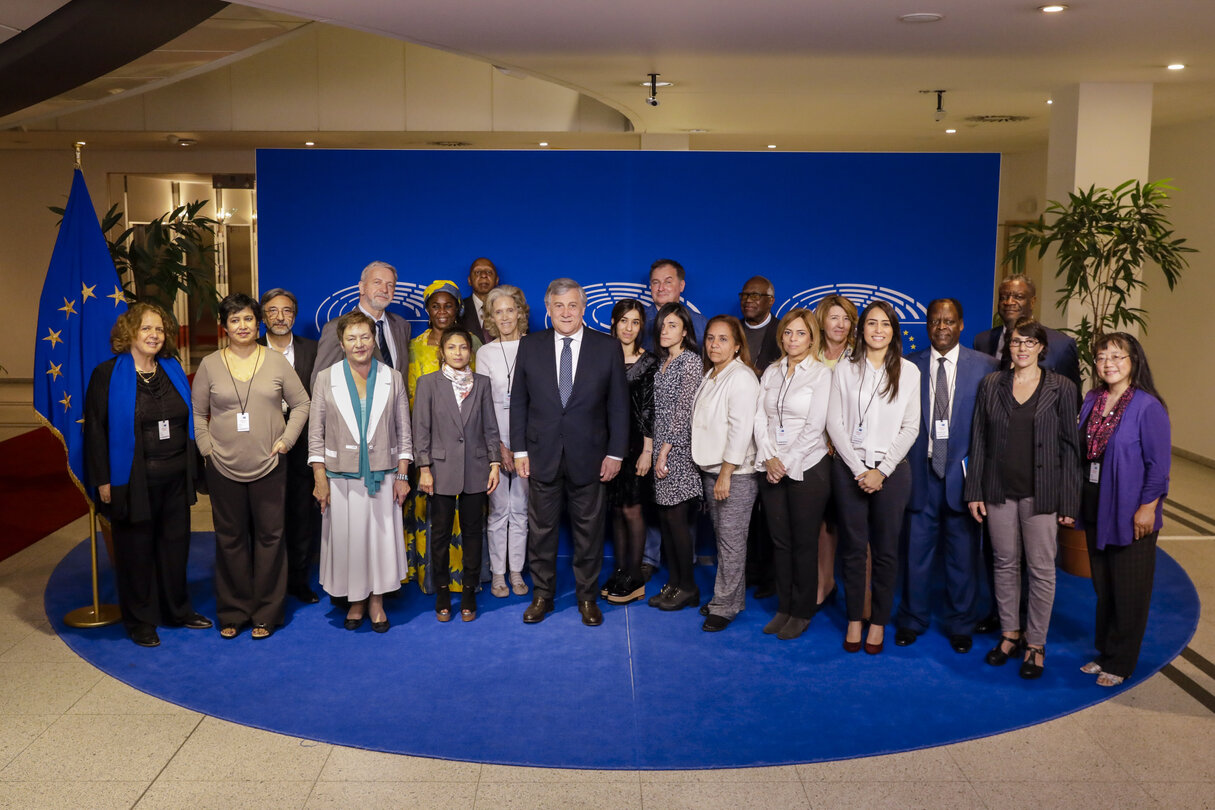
<point>591,615</point>
<point>537,610</point>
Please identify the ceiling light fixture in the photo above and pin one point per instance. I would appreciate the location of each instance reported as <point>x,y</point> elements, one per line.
<point>1050,101</point>
<point>771,146</point>
<point>544,143</point>
<point>309,143</point>
<point>940,113</point>
<point>186,142</point>
<point>653,85</point>
<point>1176,66</point>
<point>658,84</point>
<point>950,131</point>
<point>1053,8</point>
<point>921,17</point>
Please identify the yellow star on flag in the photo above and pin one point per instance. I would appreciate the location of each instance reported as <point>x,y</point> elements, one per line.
<point>55,371</point>
<point>66,402</point>
<point>80,421</point>
<point>86,292</point>
<point>68,308</point>
<point>118,295</point>
<point>53,337</point>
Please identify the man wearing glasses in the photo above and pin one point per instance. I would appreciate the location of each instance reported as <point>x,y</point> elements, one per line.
<point>279,308</point>
<point>759,325</point>
<point>1017,299</point>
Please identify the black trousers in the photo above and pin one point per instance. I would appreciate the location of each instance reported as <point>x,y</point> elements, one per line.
<point>760,548</point>
<point>150,559</point>
<point>301,528</point>
<point>1122,578</point>
<point>250,557</point>
<point>870,522</point>
<point>794,510</point>
<point>584,505</point>
<point>472,525</point>
<point>678,545</point>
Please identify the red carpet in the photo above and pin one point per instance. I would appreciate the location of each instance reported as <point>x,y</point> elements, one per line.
<point>37,495</point>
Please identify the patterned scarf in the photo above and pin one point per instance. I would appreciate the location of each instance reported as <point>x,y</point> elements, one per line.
<point>1100,428</point>
<point>461,380</point>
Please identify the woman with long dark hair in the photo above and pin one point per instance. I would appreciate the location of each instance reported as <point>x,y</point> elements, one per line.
<point>1127,445</point>
<point>873,419</point>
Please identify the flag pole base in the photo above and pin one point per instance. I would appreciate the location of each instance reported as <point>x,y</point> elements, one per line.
<point>87,616</point>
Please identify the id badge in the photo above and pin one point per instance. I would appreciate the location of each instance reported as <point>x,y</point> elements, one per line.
<point>163,427</point>
<point>1094,472</point>
<point>782,437</point>
<point>858,435</point>
<point>941,429</point>
<point>506,400</point>
<point>242,422</point>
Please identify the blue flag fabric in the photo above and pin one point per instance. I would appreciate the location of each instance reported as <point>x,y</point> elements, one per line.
<point>81,299</point>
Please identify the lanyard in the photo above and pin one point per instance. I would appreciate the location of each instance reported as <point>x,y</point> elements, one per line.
<point>783,394</point>
<point>249,387</point>
<point>876,386</point>
<point>510,368</point>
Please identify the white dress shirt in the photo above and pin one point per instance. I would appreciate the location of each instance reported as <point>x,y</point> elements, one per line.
<point>479,307</point>
<point>798,404</point>
<point>575,347</point>
<point>890,427</point>
<point>383,320</point>
<point>951,376</point>
<point>723,420</point>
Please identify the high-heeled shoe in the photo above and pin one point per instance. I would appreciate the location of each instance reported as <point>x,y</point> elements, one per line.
<point>830,597</point>
<point>1030,670</point>
<point>468,605</point>
<point>998,657</point>
<point>443,604</point>
<point>854,646</point>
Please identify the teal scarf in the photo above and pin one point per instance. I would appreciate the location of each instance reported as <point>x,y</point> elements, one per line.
<point>371,478</point>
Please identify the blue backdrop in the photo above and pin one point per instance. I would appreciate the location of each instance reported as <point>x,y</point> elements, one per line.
<point>904,227</point>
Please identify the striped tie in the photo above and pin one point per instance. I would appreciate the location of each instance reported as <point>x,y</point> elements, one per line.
<point>565,378</point>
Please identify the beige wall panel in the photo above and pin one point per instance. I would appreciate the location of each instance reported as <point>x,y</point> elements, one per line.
<point>532,105</point>
<point>146,198</point>
<point>1179,341</point>
<point>595,116</point>
<point>277,89</point>
<point>201,103</point>
<point>121,115</point>
<point>362,81</point>
<point>446,93</point>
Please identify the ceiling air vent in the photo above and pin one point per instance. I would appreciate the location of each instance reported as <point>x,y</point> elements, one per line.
<point>996,119</point>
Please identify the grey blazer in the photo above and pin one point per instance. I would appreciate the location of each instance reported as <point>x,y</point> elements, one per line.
<point>457,443</point>
<point>329,349</point>
<point>333,430</point>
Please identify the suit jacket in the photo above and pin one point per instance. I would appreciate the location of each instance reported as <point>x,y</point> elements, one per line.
<point>329,351</point>
<point>972,368</point>
<point>333,430</point>
<point>305,362</point>
<point>594,422</point>
<point>457,443</point>
<point>468,319</point>
<point>1056,444</point>
<point>1061,354</point>
<point>765,351</point>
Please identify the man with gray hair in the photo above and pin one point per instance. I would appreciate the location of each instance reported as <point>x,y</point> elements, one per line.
<point>376,288</point>
<point>569,412</point>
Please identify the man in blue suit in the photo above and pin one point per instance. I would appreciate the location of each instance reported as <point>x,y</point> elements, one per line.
<point>569,411</point>
<point>937,516</point>
<point>1017,300</point>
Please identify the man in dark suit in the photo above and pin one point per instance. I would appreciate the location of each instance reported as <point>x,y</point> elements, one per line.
<point>377,286</point>
<point>301,524</point>
<point>759,324</point>
<point>1017,299</point>
<point>937,516</point>
<point>482,277</point>
<point>569,411</point>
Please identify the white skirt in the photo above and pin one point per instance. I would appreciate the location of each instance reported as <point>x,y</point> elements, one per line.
<point>362,541</point>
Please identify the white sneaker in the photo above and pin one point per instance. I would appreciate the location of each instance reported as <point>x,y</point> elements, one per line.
<point>517,583</point>
<point>498,586</point>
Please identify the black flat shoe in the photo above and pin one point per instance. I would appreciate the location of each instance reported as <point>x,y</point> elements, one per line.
<point>197,621</point>
<point>704,609</point>
<point>145,636</point>
<point>999,656</point>
<point>961,643</point>
<point>679,599</point>
<point>715,623</point>
<point>663,593</point>
<point>792,628</point>
<point>1029,670</point>
<point>990,624</point>
<point>591,615</point>
<point>380,627</point>
<point>537,610</point>
<point>904,637</point>
<point>354,624</point>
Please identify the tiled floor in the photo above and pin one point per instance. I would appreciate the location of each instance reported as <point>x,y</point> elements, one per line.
<point>71,736</point>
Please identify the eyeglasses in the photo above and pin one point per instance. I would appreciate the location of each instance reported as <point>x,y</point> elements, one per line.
<point>1029,343</point>
<point>272,312</point>
<point>1110,359</point>
<point>753,296</point>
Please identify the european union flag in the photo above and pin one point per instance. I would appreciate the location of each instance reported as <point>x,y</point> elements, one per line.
<point>81,299</point>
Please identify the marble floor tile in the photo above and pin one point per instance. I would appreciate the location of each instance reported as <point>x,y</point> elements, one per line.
<point>110,696</point>
<point>553,796</point>
<point>1193,795</point>
<point>1157,695</point>
<point>101,748</point>
<point>775,773</point>
<point>18,731</point>
<point>513,773</point>
<point>1058,751</point>
<point>871,795</point>
<point>1162,748</point>
<point>70,795</point>
<point>219,795</point>
<point>345,795</point>
<point>1034,795</point>
<point>357,765</point>
<point>928,764</point>
<point>221,750</point>
<point>40,646</point>
<point>44,688</point>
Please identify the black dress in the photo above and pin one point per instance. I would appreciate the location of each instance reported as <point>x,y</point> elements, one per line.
<point>628,488</point>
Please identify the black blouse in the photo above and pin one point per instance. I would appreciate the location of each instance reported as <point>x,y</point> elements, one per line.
<point>640,377</point>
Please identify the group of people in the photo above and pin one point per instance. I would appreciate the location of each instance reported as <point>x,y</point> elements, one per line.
<point>800,435</point>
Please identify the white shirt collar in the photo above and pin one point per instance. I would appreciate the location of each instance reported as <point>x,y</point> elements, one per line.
<point>951,355</point>
<point>759,325</point>
<point>383,315</point>
<point>577,336</point>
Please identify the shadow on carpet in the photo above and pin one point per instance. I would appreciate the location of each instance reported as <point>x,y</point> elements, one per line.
<point>647,690</point>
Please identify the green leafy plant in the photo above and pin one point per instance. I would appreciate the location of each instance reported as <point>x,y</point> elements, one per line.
<point>171,254</point>
<point>1103,238</point>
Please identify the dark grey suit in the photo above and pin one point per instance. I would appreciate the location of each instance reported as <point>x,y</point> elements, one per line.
<point>329,350</point>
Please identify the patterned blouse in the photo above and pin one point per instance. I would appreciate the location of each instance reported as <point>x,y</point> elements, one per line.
<point>674,395</point>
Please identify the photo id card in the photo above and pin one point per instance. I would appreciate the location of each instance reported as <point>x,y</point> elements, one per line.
<point>1094,472</point>
<point>858,435</point>
<point>782,437</point>
<point>940,429</point>
<point>242,422</point>
<point>163,427</point>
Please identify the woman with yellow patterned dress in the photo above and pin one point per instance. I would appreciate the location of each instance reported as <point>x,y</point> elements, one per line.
<point>442,302</point>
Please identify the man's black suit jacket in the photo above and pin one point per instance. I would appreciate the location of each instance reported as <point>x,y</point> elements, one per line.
<point>468,319</point>
<point>592,425</point>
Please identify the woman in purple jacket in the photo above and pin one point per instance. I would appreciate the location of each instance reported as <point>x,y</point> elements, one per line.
<point>1125,432</point>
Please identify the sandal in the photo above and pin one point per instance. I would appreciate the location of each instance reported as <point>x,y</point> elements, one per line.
<point>998,656</point>
<point>1109,679</point>
<point>261,631</point>
<point>1091,668</point>
<point>229,631</point>
<point>1029,669</point>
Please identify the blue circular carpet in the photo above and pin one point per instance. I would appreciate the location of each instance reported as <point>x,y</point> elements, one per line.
<point>647,690</point>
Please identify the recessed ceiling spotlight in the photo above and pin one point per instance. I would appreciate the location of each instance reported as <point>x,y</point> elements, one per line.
<point>81,143</point>
<point>1050,101</point>
<point>950,131</point>
<point>1176,66</point>
<point>544,143</point>
<point>186,142</point>
<point>658,84</point>
<point>309,143</point>
<point>696,131</point>
<point>1053,8</point>
<point>921,17</point>
<point>771,146</point>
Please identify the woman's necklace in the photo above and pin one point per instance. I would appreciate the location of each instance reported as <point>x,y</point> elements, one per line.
<point>147,377</point>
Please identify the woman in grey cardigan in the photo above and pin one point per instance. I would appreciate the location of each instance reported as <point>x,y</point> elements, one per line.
<point>458,453</point>
<point>1024,477</point>
<point>359,447</point>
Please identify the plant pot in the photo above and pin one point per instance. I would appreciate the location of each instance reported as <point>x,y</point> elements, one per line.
<point>1073,552</point>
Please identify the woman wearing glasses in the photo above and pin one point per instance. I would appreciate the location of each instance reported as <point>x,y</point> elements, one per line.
<point>1127,445</point>
<point>1024,478</point>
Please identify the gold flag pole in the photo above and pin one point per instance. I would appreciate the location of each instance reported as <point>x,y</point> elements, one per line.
<point>96,614</point>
